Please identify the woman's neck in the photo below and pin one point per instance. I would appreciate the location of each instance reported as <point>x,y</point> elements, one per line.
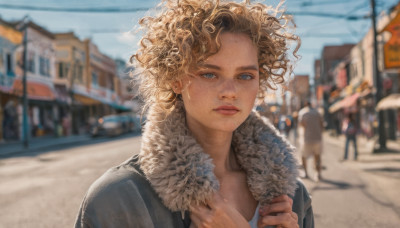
<point>217,144</point>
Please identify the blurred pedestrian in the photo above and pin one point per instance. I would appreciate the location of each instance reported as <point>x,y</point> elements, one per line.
<point>312,123</point>
<point>66,125</point>
<point>206,159</point>
<point>295,116</point>
<point>282,125</point>
<point>10,121</point>
<point>350,130</point>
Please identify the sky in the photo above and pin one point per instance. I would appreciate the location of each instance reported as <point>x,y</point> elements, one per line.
<point>115,33</point>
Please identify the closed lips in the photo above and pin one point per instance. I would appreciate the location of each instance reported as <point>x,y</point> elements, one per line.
<point>227,110</point>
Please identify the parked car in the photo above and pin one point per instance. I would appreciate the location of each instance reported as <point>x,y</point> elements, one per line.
<point>126,122</point>
<point>111,125</point>
<point>136,122</point>
<point>139,122</point>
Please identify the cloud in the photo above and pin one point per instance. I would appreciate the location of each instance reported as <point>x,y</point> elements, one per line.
<point>130,38</point>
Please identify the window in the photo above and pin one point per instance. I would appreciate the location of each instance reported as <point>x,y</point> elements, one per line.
<point>79,73</point>
<point>61,70</point>
<point>31,62</point>
<point>9,68</point>
<point>95,79</point>
<point>111,82</point>
<point>47,63</point>
<point>44,66</point>
<point>41,66</point>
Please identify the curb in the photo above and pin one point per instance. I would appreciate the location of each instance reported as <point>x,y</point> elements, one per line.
<point>36,146</point>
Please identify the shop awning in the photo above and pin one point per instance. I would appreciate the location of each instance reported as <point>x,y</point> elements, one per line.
<point>120,107</point>
<point>35,90</point>
<point>4,89</point>
<point>85,100</point>
<point>350,101</point>
<point>390,102</point>
<point>347,102</point>
<point>335,107</point>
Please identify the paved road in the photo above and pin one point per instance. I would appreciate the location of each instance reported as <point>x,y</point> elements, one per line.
<point>356,194</point>
<point>45,189</point>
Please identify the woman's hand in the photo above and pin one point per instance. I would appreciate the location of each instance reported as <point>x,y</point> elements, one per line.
<point>278,213</point>
<point>217,213</point>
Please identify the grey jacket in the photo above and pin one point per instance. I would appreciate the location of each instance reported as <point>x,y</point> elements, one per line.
<point>156,187</point>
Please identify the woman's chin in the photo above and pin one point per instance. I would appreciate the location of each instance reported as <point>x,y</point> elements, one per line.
<point>225,126</point>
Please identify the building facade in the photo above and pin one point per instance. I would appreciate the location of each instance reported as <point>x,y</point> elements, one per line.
<point>10,40</point>
<point>70,82</point>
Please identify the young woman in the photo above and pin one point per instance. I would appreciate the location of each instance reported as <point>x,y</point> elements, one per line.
<point>206,159</point>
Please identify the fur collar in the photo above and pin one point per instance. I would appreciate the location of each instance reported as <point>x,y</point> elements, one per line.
<point>181,173</point>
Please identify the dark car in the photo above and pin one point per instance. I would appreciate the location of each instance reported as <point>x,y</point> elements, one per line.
<point>111,125</point>
<point>135,122</point>
<point>125,122</point>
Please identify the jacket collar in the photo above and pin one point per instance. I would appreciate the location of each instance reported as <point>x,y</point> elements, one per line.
<point>181,173</point>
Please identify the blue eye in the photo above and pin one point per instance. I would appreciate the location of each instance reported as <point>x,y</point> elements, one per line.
<point>208,75</point>
<point>245,77</point>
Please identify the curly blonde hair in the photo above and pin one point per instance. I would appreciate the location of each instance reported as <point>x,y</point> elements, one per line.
<point>186,32</point>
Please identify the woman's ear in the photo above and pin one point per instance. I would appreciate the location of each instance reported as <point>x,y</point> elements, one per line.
<point>177,87</point>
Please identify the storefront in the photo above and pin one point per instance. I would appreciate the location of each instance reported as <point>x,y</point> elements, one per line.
<point>391,75</point>
<point>9,129</point>
<point>10,38</point>
<point>359,101</point>
<point>391,103</point>
<point>42,108</point>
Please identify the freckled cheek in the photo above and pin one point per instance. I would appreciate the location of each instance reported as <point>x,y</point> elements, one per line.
<point>252,89</point>
<point>197,93</point>
<point>251,94</point>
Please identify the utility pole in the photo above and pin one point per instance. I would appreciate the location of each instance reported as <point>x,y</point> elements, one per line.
<point>25,125</point>
<point>72,73</point>
<point>378,83</point>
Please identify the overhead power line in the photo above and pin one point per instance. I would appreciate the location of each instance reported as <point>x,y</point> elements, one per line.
<point>325,35</point>
<point>332,15</point>
<point>323,3</point>
<point>75,10</point>
<point>137,9</point>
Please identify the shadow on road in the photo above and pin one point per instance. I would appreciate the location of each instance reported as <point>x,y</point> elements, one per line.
<point>63,146</point>
<point>391,172</point>
<point>334,185</point>
<point>385,169</point>
<point>326,184</point>
<point>379,160</point>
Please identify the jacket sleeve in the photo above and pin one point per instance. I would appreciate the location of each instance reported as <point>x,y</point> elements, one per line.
<point>113,207</point>
<point>302,207</point>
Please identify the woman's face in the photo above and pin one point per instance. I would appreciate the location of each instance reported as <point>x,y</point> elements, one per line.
<point>221,93</point>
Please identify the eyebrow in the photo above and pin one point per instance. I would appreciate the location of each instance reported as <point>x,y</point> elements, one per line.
<point>250,67</point>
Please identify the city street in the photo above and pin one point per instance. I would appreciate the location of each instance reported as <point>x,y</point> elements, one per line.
<point>45,189</point>
<point>78,82</point>
<point>361,193</point>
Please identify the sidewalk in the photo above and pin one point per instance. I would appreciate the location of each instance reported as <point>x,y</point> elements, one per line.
<point>380,171</point>
<point>367,149</point>
<point>14,148</point>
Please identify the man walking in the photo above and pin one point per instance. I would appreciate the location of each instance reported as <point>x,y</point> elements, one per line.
<point>312,122</point>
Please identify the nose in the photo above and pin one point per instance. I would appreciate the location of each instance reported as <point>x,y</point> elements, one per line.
<point>228,89</point>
